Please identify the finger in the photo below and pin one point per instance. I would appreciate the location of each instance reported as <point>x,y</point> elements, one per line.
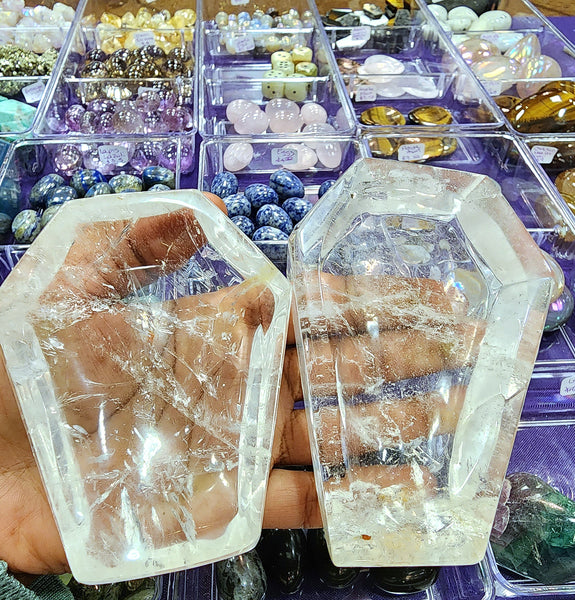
<point>291,501</point>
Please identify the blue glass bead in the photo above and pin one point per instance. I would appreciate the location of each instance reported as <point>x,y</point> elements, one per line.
<point>60,195</point>
<point>26,226</point>
<point>159,187</point>
<point>286,184</point>
<point>83,179</point>
<point>274,216</point>
<point>154,175</point>
<point>238,204</point>
<point>224,184</point>
<point>267,233</point>
<point>99,189</point>
<point>39,193</point>
<point>297,208</point>
<point>5,223</point>
<point>244,225</point>
<point>324,187</point>
<point>125,183</point>
<point>259,194</point>
<point>10,192</point>
<point>48,214</point>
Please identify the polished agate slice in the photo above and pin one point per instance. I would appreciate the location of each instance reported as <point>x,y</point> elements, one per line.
<point>144,337</point>
<point>420,303</point>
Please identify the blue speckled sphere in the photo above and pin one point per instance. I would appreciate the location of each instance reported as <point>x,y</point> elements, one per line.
<point>6,222</point>
<point>99,189</point>
<point>238,204</point>
<point>297,208</point>
<point>48,214</point>
<point>154,175</point>
<point>125,183</point>
<point>324,187</point>
<point>272,242</point>
<point>267,233</point>
<point>26,226</point>
<point>39,193</point>
<point>10,192</point>
<point>286,184</point>
<point>274,216</point>
<point>159,187</point>
<point>224,184</point>
<point>83,179</point>
<point>259,194</point>
<point>61,195</point>
<point>244,225</point>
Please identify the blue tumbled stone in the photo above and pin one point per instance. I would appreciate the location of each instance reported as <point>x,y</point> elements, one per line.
<point>125,183</point>
<point>48,214</point>
<point>238,204</point>
<point>267,233</point>
<point>297,208</point>
<point>152,176</point>
<point>39,193</point>
<point>224,184</point>
<point>60,195</point>
<point>100,189</point>
<point>273,243</point>
<point>10,192</point>
<point>159,187</point>
<point>286,184</point>
<point>324,187</point>
<point>83,179</point>
<point>260,194</point>
<point>26,226</point>
<point>274,216</point>
<point>244,225</point>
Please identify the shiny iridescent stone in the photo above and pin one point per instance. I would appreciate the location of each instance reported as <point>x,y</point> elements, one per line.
<point>283,554</point>
<point>83,179</point>
<point>39,193</point>
<point>403,580</point>
<point>297,208</point>
<point>60,195</point>
<point>125,183</point>
<point>244,224</point>
<point>332,576</point>
<point>241,577</point>
<point>238,204</point>
<point>154,175</point>
<point>560,311</point>
<point>274,216</point>
<point>99,189</point>
<point>259,194</point>
<point>224,184</point>
<point>26,226</point>
<point>325,186</point>
<point>286,185</point>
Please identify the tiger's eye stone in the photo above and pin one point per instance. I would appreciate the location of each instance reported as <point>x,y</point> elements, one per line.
<point>151,51</point>
<point>96,70</point>
<point>546,111</point>
<point>332,576</point>
<point>433,147</point>
<point>404,580</point>
<point>506,103</point>
<point>116,63</point>
<point>347,66</point>
<point>383,147</point>
<point>180,53</point>
<point>560,85</point>
<point>565,182</point>
<point>430,115</point>
<point>173,67</point>
<point>283,555</point>
<point>381,115</point>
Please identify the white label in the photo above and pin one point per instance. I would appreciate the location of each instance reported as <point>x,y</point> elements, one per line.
<point>144,38</point>
<point>360,34</point>
<point>244,43</point>
<point>284,156</point>
<point>568,386</point>
<point>33,93</point>
<point>239,2</point>
<point>544,154</point>
<point>494,88</point>
<point>365,93</point>
<point>409,152</point>
<point>113,155</point>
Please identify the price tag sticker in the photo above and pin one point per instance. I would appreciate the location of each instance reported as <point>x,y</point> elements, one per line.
<point>365,93</point>
<point>544,154</point>
<point>33,93</point>
<point>244,43</point>
<point>411,152</point>
<point>360,34</point>
<point>144,38</point>
<point>113,155</point>
<point>568,386</point>
<point>285,156</point>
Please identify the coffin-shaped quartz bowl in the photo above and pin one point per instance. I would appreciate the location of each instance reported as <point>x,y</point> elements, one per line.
<point>420,302</point>
<point>144,337</point>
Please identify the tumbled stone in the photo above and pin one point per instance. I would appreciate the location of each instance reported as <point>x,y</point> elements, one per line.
<point>241,577</point>
<point>283,553</point>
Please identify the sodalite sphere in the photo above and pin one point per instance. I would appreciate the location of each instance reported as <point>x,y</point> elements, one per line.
<point>60,195</point>
<point>224,184</point>
<point>154,175</point>
<point>159,187</point>
<point>297,208</point>
<point>39,193</point>
<point>267,233</point>
<point>260,194</point>
<point>274,216</point>
<point>286,185</point>
<point>10,192</point>
<point>238,204</point>
<point>125,183</point>
<point>324,187</point>
<point>244,225</point>
<point>83,179</point>
<point>26,226</point>
<point>99,189</point>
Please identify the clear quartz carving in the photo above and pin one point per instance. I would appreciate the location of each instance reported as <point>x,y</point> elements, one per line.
<point>144,337</point>
<point>420,302</point>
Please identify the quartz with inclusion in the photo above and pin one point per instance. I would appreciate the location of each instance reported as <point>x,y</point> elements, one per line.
<point>420,303</point>
<point>144,337</point>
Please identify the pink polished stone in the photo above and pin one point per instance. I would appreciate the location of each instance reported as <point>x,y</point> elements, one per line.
<point>236,108</point>
<point>341,120</point>
<point>281,105</point>
<point>306,158</point>
<point>237,156</point>
<point>285,122</point>
<point>252,122</point>
<point>313,113</point>
<point>543,67</point>
<point>475,49</point>
<point>128,121</point>
<point>526,49</point>
<point>317,130</point>
<point>329,154</point>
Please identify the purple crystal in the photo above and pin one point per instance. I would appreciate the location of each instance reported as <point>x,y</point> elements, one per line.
<point>154,123</point>
<point>128,121</point>
<point>167,99</point>
<point>169,157</point>
<point>125,105</point>
<point>105,123</point>
<point>146,155</point>
<point>67,159</point>
<point>148,101</point>
<point>89,122</point>
<point>56,119</point>
<point>186,158</point>
<point>74,117</point>
<point>101,105</point>
<point>178,118</point>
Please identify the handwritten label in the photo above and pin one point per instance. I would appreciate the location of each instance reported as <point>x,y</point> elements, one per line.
<point>493,88</point>
<point>284,156</point>
<point>365,93</point>
<point>113,155</point>
<point>410,152</point>
<point>33,93</point>
<point>360,34</point>
<point>568,386</point>
<point>244,43</point>
<point>544,154</point>
<point>144,38</point>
